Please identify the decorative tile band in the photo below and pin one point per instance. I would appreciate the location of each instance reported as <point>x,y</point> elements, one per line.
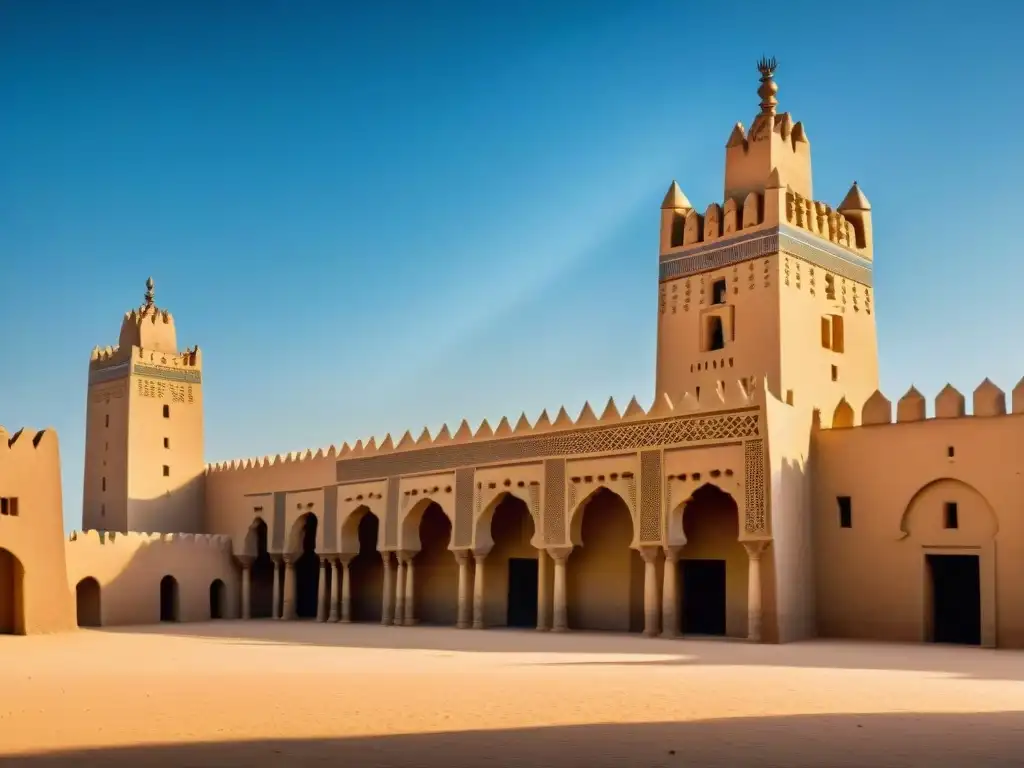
<point>764,243</point>
<point>190,376</point>
<point>118,371</point>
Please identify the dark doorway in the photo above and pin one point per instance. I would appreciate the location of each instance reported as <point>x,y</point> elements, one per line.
<point>367,571</point>
<point>522,592</point>
<point>261,597</point>
<point>87,600</point>
<point>307,571</point>
<point>703,597</point>
<point>217,595</point>
<point>168,599</point>
<point>956,598</point>
<point>12,577</point>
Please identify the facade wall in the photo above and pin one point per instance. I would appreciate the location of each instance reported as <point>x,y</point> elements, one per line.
<point>872,577</point>
<point>128,570</point>
<point>34,597</point>
<point>105,492</point>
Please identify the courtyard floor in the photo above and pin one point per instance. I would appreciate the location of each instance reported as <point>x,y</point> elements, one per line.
<point>305,694</point>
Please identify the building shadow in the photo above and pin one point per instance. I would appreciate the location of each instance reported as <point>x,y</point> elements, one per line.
<point>609,648</point>
<point>840,741</point>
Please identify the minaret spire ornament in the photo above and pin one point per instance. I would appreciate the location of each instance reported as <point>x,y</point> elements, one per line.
<point>149,293</point>
<point>768,87</point>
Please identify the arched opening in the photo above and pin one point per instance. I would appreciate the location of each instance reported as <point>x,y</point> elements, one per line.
<point>307,570</point>
<point>510,581</point>
<point>435,570</point>
<point>12,598</point>
<point>713,566</point>
<point>604,575</point>
<point>366,569</point>
<point>168,599</point>
<point>87,602</point>
<point>218,595</point>
<point>261,596</point>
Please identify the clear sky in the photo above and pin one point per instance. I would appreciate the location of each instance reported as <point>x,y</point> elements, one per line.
<point>381,216</point>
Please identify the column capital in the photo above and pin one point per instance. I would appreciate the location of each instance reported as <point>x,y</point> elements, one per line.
<point>756,547</point>
<point>406,555</point>
<point>462,555</point>
<point>289,559</point>
<point>650,553</point>
<point>245,561</point>
<point>672,554</point>
<point>344,558</point>
<point>325,560</point>
<point>277,558</point>
<point>559,554</point>
<point>480,554</point>
<point>385,555</point>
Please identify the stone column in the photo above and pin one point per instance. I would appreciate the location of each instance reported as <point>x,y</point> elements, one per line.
<point>754,550</point>
<point>346,592</point>
<point>400,589</point>
<point>321,592</point>
<point>275,609</point>
<point>387,600</point>
<point>246,561</point>
<point>542,590</point>
<point>560,616</point>
<point>288,609</point>
<point>464,620</point>
<point>332,613</point>
<point>478,590</point>
<point>652,610</point>
<point>409,618</point>
<point>670,594</point>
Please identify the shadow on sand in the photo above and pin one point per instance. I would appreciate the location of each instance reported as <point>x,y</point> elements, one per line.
<point>836,741</point>
<point>623,649</point>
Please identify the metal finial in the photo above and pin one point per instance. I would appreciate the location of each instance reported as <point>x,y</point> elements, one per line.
<point>149,292</point>
<point>767,66</point>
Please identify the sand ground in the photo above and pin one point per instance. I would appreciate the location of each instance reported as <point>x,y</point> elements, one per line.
<point>306,694</point>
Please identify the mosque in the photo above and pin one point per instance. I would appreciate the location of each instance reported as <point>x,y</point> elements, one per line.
<point>770,492</point>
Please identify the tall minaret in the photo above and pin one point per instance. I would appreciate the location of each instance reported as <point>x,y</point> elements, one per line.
<point>144,429</point>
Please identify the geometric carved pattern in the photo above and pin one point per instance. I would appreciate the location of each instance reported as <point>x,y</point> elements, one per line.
<point>625,438</point>
<point>554,501</point>
<point>277,530</point>
<point>753,459</point>
<point>534,494</point>
<point>824,254</point>
<point>464,507</point>
<point>109,373</point>
<point>190,376</point>
<point>650,496</point>
<point>391,516</point>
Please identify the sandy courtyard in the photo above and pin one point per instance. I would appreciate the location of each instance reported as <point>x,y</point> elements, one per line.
<point>268,693</point>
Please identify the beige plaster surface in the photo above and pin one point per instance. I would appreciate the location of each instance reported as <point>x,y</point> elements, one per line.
<point>272,693</point>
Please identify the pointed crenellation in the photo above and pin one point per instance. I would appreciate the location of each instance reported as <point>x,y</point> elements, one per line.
<point>522,425</point>
<point>686,227</point>
<point>586,417</point>
<point>463,434</point>
<point>988,400</point>
<point>543,422</point>
<point>407,441</point>
<point>949,403</point>
<point>484,431</point>
<point>504,428</point>
<point>610,412</point>
<point>443,436</point>
<point>563,420</point>
<point>842,417</point>
<point>877,410</point>
<point>911,407</point>
<point>633,410</point>
<point>424,439</point>
<point>1017,397</point>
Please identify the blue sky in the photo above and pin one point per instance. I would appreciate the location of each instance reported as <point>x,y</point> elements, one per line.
<point>380,217</point>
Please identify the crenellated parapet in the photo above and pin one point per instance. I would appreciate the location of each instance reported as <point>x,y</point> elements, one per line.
<point>741,393</point>
<point>139,538</point>
<point>26,441</point>
<point>987,400</point>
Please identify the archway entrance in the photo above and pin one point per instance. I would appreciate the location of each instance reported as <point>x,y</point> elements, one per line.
<point>511,578</point>
<point>955,598</point>
<point>604,575</point>
<point>12,578</point>
<point>218,593</point>
<point>366,569</point>
<point>168,599</point>
<point>435,570</point>
<point>307,571</point>
<point>87,601</point>
<point>713,568</point>
<point>261,596</point>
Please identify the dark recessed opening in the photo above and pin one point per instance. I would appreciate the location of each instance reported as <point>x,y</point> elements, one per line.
<point>845,511</point>
<point>950,451</point>
<point>951,518</point>
<point>167,471</point>
<point>718,292</point>
<point>167,411</point>
<point>167,442</point>
<point>716,334</point>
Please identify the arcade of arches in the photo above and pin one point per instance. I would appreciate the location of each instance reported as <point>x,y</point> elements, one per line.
<point>707,583</point>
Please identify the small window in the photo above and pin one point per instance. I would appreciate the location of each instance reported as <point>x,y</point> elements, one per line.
<point>103,510</point>
<point>952,515</point>
<point>718,292</point>
<point>9,506</point>
<point>167,471</point>
<point>167,411</point>
<point>830,287</point>
<point>716,334</point>
<point>835,373</point>
<point>950,451</point>
<point>106,420</point>
<point>167,442</point>
<point>103,483</point>
<point>845,512</point>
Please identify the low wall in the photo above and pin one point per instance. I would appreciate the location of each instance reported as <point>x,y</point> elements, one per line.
<point>127,573</point>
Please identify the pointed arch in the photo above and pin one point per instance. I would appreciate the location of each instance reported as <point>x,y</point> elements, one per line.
<point>87,602</point>
<point>353,524</point>
<point>950,489</point>
<point>257,546</point>
<point>576,514</point>
<point>709,493</point>
<point>409,535</point>
<point>298,534</point>
<point>483,539</point>
<point>302,544</point>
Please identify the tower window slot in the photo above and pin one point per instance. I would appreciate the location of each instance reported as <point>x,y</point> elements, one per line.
<point>718,292</point>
